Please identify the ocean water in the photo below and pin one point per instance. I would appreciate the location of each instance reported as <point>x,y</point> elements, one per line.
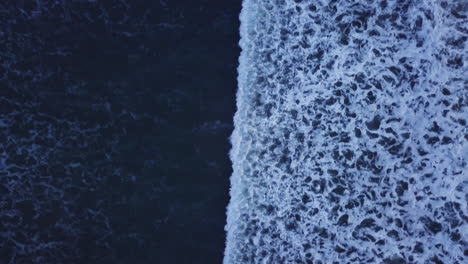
<point>114,126</point>
<point>350,140</point>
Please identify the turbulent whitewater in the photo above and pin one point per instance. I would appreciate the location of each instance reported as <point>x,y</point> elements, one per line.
<point>350,140</point>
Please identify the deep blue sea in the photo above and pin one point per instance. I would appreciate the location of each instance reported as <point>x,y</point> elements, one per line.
<point>114,125</point>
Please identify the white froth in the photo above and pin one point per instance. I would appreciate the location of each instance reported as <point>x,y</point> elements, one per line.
<point>350,140</point>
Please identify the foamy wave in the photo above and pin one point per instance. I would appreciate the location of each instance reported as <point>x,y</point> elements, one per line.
<point>350,140</point>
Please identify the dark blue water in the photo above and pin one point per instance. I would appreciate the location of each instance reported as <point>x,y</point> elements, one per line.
<point>114,126</point>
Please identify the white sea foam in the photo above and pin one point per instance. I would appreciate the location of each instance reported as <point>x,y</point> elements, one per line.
<point>350,139</point>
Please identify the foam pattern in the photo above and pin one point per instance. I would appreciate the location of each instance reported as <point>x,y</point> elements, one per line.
<point>350,141</point>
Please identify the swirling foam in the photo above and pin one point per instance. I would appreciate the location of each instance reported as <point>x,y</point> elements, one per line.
<point>350,140</point>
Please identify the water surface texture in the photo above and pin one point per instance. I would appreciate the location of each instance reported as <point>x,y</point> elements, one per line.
<point>350,140</point>
<point>114,124</point>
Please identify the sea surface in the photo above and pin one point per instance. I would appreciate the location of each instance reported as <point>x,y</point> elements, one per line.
<point>114,124</point>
